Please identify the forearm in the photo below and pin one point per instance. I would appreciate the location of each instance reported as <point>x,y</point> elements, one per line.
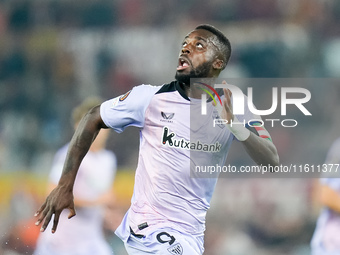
<point>261,150</point>
<point>82,139</point>
<point>78,148</point>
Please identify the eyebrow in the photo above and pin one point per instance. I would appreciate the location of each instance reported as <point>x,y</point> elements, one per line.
<point>201,38</point>
<point>198,38</point>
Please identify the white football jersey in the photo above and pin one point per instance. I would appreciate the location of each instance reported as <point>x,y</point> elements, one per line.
<point>174,139</point>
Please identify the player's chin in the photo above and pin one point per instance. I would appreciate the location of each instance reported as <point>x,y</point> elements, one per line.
<point>183,77</point>
<point>183,71</point>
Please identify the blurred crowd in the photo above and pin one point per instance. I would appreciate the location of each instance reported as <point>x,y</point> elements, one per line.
<point>54,54</point>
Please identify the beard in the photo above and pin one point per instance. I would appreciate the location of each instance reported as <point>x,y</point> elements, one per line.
<point>202,71</point>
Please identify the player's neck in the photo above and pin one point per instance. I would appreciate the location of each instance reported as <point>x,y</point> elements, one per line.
<point>195,90</point>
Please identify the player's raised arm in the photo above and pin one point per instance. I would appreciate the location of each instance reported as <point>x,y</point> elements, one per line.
<point>261,150</point>
<point>62,196</point>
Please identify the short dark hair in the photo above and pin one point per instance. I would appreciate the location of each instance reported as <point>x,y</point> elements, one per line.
<point>225,46</point>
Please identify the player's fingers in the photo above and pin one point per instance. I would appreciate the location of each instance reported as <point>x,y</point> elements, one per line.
<point>55,222</point>
<point>42,215</point>
<point>47,221</point>
<point>227,101</point>
<point>226,104</point>
<point>230,93</point>
<point>40,209</point>
<point>227,92</point>
<point>72,213</point>
<point>227,95</point>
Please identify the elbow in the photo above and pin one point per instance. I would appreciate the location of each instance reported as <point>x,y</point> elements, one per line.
<point>269,158</point>
<point>272,160</point>
<point>275,160</point>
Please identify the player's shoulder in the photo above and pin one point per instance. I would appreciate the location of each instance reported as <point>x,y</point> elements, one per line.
<point>155,89</point>
<point>134,98</point>
<point>167,87</point>
<point>137,98</point>
<point>147,91</point>
<point>146,88</point>
<point>139,94</point>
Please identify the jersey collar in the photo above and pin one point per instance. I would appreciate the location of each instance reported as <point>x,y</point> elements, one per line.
<point>180,88</point>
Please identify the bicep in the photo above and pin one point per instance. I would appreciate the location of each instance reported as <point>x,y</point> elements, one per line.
<point>94,119</point>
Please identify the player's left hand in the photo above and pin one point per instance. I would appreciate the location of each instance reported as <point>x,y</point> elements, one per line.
<point>59,199</point>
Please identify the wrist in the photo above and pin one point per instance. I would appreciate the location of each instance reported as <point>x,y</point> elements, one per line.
<point>65,185</point>
<point>238,129</point>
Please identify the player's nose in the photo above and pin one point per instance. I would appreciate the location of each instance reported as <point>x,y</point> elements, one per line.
<point>186,49</point>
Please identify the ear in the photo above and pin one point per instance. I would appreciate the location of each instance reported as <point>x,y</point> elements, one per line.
<point>218,64</point>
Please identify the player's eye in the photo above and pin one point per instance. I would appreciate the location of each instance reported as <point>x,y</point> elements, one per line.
<point>184,44</point>
<point>199,45</point>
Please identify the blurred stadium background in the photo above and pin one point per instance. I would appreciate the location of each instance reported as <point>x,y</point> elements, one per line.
<point>53,54</point>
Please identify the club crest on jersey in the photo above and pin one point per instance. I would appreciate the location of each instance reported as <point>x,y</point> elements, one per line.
<point>168,139</point>
<point>123,97</point>
<point>167,117</point>
<point>176,249</point>
<point>118,99</point>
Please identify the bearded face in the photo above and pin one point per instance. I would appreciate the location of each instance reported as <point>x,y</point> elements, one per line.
<point>201,71</point>
<point>198,56</point>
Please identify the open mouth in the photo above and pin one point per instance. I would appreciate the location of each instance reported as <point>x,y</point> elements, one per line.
<point>182,64</point>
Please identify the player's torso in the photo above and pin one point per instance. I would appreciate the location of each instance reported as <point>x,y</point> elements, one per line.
<point>173,141</point>
<point>176,129</point>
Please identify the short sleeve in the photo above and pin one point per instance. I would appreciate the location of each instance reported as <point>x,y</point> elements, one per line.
<point>128,109</point>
